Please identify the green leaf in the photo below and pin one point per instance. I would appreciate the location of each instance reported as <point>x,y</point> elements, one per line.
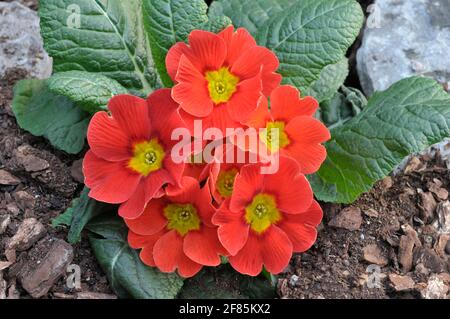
<point>225,283</point>
<point>43,113</point>
<point>407,118</point>
<point>330,80</point>
<point>127,275</point>
<point>91,91</point>
<point>81,211</point>
<point>170,21</point>
<point>250,14</point>
<point>311,35</point>
<point>109,39</point>
<point>342,107</point>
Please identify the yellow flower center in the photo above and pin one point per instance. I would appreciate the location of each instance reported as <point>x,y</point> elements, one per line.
<point>262,213</point>
<point>221,84</point>
<point>182,217</point>
<point>147,157</point>
<point>225,182</point>
<point>274,136</point>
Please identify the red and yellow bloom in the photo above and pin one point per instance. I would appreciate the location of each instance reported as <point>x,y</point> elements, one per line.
<point>267,218</point>
<point>175,231</point>
<point>220,77</point>
<point>299,134</point>
<point>129,159</point>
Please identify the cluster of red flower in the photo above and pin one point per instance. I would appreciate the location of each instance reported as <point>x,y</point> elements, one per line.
<point>186,216</point>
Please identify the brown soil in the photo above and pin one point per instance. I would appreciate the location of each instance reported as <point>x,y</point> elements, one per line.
<point>334,268</point>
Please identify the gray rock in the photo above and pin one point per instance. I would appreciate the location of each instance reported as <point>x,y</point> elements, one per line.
<point>405,38</point>
<point>21,45</point>
<point>4,223</point>
<point>38,279</point>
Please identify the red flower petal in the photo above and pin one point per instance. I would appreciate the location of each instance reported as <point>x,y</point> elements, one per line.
<point>300,228</point>
<point>164,116</point>
<point>134,207</point>
<point>233,231</point>
<point>203,246</point>
<point>237,43</point>
<point>188,268</point>
<point>247,183</point>
<point>131,114</point>
<point>249,260</point>
<point>173,58</point>
<point>306,133</point>
<point>168,255</point>
<point>261,115</point>
<point>286,104</point>
<point>106,179</point>
<point>245,99</point>
<point>107,139</point>
<point>291,189</point>
<point>207,48</point>
<point>168,251</point>
<point>137,241</point>
<point>276,249</point>
<point>191,92</point>
<point>270,80</point>
<point>252,61</point>
<point>219,118</point>
<point>152,219</point>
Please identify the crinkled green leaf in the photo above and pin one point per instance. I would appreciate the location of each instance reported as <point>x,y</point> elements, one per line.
<point>170,21</point>
<point>330,80</point>
<point>225,283</point>
<point>55,117</point>
<point>250,14</point>
<point>216,24</point>
<point>91,91</point>
<point>127,275</point>
<point>342,107</point>
<point>109,39</point>
<point>407,118</point>
<point>311,35</point>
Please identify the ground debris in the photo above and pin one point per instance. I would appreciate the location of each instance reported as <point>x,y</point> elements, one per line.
<point>373,254</point>
<point>401,283</point>
<point>6,178</point>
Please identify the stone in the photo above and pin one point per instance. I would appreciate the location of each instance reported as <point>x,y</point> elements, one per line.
<point>6,178</point>
<point>387,183</point>
<point>349,218</point>
<point>21,45</point>
<point>373,254</point>
<point>443,213</point>
<point>29,161</point>
<point>5,265</point>
<point>4,223</point>
<point>401,283</point>
<point>13,209</point>
<point>447,248</point>
<point>441,244</point>
<point>430,259</point>
<point>405,248</point>
<point>38,279</point>
<point>405,38</point>
<point>437,190</point>
<point>29,232</point>
<point>414,165</point>
<point>435,289</point>
<point>428,205</point>
<point>76,171</point>
<point>3,287</point>
<point>24,200</point>
<point>371,213</point>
